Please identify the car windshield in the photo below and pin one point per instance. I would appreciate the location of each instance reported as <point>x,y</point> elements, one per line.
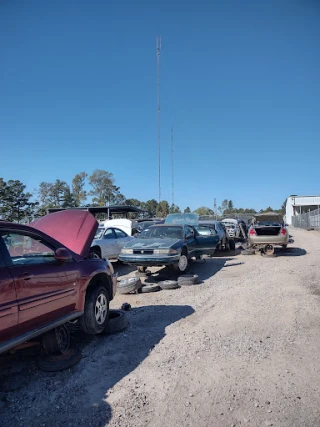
<point>99,233</point>
<point>162,232</point>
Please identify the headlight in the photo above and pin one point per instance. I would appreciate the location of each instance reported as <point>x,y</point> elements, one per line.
<point>127,251</point>
<point>165,251</point>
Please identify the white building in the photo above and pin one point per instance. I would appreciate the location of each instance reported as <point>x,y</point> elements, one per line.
<point>300,204</point>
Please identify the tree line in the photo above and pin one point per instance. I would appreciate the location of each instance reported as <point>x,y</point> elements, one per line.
<point>19,205</point>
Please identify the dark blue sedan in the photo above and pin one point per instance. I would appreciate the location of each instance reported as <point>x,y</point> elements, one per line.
<point>170,244</point>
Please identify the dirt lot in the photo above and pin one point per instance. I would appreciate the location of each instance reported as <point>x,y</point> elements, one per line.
<point>240,349</point>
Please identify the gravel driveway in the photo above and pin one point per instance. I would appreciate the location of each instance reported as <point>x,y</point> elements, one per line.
<point>240,349</point>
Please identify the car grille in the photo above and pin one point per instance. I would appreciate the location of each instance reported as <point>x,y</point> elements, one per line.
<point>143,252</point>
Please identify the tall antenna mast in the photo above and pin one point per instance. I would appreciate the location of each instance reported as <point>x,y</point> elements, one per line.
<point>172,165</point>
<point>158,49</point>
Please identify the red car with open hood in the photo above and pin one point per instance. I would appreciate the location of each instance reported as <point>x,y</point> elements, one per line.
<point>48,278</point>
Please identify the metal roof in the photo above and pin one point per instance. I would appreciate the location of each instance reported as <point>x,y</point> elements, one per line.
<point>116,209</point>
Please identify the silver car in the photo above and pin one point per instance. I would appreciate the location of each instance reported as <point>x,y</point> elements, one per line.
<point>108,243</point>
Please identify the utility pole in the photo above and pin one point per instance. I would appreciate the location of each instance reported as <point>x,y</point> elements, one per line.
<point>215,207</point>
<point>158,49</point>
<point>172,165</point>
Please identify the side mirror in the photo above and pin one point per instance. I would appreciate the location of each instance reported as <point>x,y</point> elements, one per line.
<point>62,255</point>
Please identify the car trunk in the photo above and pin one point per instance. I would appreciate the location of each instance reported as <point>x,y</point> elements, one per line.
<point>267,230</point>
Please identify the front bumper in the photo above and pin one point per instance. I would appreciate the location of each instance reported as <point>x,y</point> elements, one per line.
<point>149,260</point>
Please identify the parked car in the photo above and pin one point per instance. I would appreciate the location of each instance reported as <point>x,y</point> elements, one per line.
<point>234,227</point>
<point>268,230</point>
<point>47,277</point>
<point>123,224</point>
<point>142,225</point>
<point>225,242</point>
<point>170,244</point>
<point>108,242</point>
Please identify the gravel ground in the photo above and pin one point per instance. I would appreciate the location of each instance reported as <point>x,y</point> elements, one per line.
<point>240,349</point>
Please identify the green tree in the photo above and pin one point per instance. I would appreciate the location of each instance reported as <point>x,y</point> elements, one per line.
<point>55,195</point>
<point>174,209</point>
<point>151,207</point>
<point>162,209</point>
<point>104,191</point>
<point>187,210</point>
<point>78,191</point>
<point>15,203</point>
<point>204,210</point>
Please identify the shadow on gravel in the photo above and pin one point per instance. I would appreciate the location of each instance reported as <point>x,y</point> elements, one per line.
<point>290,252</point>
<point>123,269</point>
<point>78,397</point>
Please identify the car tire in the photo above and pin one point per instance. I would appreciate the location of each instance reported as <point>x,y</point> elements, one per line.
<point>169,284</point>
<point>118,322</point>
<point>232,245</point>
<point>60,362</point>
<point>56,341</point>
<point>153,287</point>
<point>126,286</point>
<point>188,280</point>
<point>96,307</point>
<point>248,252</point>
<point>182,263</point>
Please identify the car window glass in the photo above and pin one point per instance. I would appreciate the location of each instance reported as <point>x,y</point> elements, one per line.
<point>120,234</point>
<point>24,249</point>
<point>204,231</point>
<point>109,234</point>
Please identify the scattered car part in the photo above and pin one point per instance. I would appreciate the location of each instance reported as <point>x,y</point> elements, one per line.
<point>248,252</point>
<point>188,279</point>
<point>118,322</point>
<point>126,286</point>
<point>169,284</point>
<point>125,306</point>
<point>149,288</point>
<point>268,250</point>
<point>60,362</point>
<point>57,340</point>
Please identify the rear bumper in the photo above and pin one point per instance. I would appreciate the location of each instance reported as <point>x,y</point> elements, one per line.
<point>268,240</point>
<point>149,260</point>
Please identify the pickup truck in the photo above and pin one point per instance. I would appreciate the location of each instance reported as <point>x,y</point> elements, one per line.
<point>267,231</point>
<point>47,278</point>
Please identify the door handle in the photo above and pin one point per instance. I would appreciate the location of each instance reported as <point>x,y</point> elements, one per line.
<point>26,276</point>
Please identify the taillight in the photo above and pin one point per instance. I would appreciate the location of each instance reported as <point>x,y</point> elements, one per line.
<point>283,231</point>
<point>252,232</point>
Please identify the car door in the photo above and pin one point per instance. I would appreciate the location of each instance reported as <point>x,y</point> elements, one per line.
<point>122,239</point>
<point>192,244</point>
<point>8,301</point>
<point>109,247</point>
<point>207,240</point>
<point>46,289</point>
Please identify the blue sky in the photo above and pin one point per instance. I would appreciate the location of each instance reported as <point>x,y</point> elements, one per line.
<point>240,83</point>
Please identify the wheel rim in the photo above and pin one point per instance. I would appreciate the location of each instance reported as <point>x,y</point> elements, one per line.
<point>183,263</point>
<point>63,339</point>
<point>101,309</point>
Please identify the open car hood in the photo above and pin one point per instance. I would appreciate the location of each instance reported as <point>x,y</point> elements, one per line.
<point>74,228</point>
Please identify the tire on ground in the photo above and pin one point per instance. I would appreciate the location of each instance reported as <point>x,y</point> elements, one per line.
<point>149,288</point>
<point>118,322</point>
<point>55,363</point>
<point>248,252</point>
<point>188,279</point>
<point>169,284</point>
<point>89,322</point>
<point>56,341</point>
<point>126,286</point>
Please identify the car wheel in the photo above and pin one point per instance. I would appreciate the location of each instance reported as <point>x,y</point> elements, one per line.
<point>188,279</point>
<point>182,263</point>
<point>169,284</point>
<point>126,286</point>
<point>96,310</point>
<point>56,341</point>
